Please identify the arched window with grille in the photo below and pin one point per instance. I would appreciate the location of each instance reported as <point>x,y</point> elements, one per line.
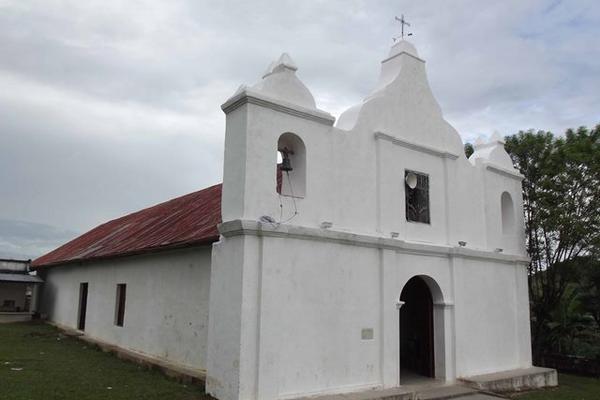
<point>416,188</point>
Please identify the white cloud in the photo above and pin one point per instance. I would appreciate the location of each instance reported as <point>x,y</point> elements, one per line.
<point>109,106</point>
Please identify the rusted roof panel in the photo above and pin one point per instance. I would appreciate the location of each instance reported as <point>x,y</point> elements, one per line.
<point>180,222</point>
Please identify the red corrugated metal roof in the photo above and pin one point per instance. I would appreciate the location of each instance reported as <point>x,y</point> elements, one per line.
<point>183,221</point>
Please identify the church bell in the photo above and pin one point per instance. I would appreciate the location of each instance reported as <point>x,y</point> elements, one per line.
<point>286,164</point>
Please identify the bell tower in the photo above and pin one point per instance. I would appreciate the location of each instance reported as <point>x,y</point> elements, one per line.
<point>277,114</point>
<point>275,118</point>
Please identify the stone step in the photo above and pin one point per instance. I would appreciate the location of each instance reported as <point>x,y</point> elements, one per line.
<point>445,392</point>
<point>514,380</point>
<point>479,396</point>
<point>375,394</point>
<point>410,392</point>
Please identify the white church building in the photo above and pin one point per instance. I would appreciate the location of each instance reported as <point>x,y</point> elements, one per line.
<point>336,256</point>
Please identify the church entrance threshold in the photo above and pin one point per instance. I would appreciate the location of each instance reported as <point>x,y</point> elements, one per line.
<point>408,377</point>
<point>416,332</point>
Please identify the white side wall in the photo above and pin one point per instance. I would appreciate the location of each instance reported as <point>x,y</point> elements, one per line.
<point>166,311</point>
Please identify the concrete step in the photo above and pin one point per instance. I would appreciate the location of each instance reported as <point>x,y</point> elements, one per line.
<point>445,392</point>
<point>514,380</point>
<point>374,394</point>
<point>410,392</point>
<point>479,396</point>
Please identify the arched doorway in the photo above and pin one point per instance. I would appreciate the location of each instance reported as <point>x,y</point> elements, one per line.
<point>416,329</point>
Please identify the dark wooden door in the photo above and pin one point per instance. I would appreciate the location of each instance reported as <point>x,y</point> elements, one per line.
<point>416,328</point>
<point>83,295</point>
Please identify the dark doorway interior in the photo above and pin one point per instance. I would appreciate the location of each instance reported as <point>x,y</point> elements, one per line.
<point>416,328</point>
<point>83,294</point>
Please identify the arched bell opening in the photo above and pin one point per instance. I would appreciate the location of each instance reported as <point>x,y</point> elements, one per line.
<point>291,166</point>
<point>508,213</point>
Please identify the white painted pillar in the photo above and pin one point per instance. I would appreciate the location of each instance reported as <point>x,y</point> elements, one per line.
<point>268,331</point>
<point>390,333</point>
<point>232,351</point>
<point>443,333</point>
<point>399,304</point>
<point>522,318</point>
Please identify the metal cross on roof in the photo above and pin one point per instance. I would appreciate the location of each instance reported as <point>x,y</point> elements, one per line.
<point>402,23</point>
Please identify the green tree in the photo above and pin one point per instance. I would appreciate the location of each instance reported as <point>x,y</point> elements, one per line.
<point>469,149</point>
<point>561,194</point>
<point>567,325</point>
<point>589,287</point>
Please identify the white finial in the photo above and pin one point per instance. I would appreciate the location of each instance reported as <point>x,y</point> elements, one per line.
<point>480,141</point>
<point>269,69</point>
<point>491,151</point>
<point>283,62</point>
<point>497,137</point>
<point>287,61</point>
<point>280,82</point>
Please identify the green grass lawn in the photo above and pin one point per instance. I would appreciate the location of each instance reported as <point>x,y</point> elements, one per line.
<point>571,387</point>
<point>36,362</point>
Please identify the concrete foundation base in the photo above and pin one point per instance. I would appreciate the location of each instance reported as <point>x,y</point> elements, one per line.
<point>434,390</point>
<point>514,380</point>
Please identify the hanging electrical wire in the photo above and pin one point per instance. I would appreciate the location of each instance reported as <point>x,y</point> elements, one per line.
<point>285,166</point>
<point>287,173</point>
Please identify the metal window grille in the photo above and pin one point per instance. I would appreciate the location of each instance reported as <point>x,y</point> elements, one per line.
<point>417,199</point>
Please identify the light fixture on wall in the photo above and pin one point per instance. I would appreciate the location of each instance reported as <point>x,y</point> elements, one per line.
<point>411,180</point>
<point>267,219</point>
<point>462,243</point>
<point>498,250</point>
<point>394,234</point>
<point>326,224</point>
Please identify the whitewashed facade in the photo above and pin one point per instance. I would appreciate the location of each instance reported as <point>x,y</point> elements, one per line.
<point>311,306</point>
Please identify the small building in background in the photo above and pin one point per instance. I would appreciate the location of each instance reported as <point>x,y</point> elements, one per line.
<point>18,291</point>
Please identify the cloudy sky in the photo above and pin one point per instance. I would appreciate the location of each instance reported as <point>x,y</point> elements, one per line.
<point>110,106</point>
